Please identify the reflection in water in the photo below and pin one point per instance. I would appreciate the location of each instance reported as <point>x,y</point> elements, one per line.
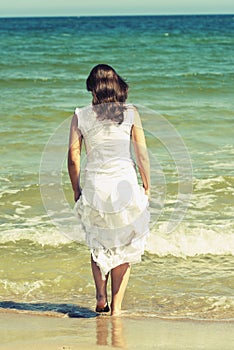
<point>112,326</point>
<point>102,330</point>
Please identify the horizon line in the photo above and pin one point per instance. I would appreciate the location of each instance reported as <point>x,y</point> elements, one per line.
<point>121,15</point>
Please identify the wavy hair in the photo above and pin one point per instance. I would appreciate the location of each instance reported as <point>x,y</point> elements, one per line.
<point>109,92</point>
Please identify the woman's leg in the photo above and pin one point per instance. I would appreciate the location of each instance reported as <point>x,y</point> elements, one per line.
<point>119,280</point>
<point>101,293</point>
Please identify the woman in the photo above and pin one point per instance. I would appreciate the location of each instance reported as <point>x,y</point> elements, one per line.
<point>112,206</point>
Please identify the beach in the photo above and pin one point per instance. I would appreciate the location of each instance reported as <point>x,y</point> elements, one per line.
<point>180,73</point>
<point>103,332</point>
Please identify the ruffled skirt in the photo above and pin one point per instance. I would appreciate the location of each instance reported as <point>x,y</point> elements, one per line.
<point>114,213</point>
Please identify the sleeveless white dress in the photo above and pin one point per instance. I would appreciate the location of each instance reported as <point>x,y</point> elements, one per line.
<point>113,208</point>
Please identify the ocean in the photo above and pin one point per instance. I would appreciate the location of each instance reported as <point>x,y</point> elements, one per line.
<point>180,73</point>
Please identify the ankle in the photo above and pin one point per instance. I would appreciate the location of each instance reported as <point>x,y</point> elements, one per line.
<point>115,309</point>
<point>101,297</point>
<point>101,300</point>
<point>115,312</point>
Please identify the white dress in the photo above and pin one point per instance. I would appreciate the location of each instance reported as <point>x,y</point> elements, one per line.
<point>113,207</point>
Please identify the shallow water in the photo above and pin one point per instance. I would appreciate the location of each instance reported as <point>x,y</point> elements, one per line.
<point>180,72</point>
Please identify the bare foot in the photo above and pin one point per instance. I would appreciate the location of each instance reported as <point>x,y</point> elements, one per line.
<point>102,305</point>
<point>115,312</point>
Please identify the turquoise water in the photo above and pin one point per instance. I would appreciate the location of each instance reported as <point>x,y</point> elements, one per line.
<point>180,72</point>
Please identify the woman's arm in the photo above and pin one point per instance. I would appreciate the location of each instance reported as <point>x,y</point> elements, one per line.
<point>74,153</point>
<point>140,148</point>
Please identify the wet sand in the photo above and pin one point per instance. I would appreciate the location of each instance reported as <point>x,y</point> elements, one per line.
<point>34,331</point>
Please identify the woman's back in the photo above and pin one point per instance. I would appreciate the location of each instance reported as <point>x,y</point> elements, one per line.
<point>107,143</point>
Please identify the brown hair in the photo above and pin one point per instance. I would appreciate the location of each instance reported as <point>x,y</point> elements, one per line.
<point>109,91</point>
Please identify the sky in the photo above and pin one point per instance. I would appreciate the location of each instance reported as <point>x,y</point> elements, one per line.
<point>13,8</point>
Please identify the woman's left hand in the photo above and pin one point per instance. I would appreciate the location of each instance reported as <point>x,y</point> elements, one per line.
<point>77,195</point>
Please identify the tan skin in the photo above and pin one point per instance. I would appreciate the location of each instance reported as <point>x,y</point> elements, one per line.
<point>121,273</point>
